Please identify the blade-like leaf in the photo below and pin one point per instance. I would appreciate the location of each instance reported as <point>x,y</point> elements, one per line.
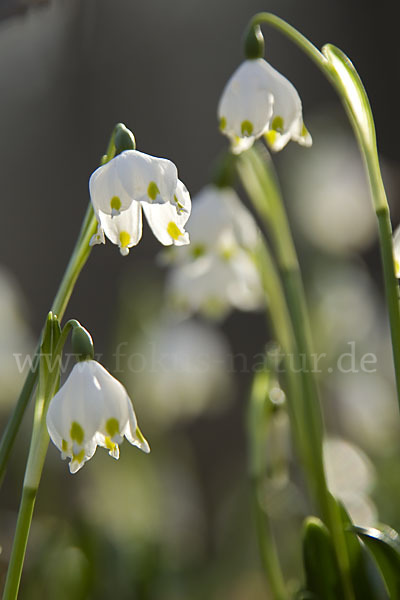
<point>384,545</point>
<point>322,578</point>
<point>353,92</point>
<point>366,578</point>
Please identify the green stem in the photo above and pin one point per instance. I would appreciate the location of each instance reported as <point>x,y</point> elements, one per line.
<point>340,72</point>
<point>259,413</point>
<point>20,542</point>
<point>266,544</point>
<point>262,187</point>
<point>33,472</point>
<point>391,285</point>
<point>77,261</point>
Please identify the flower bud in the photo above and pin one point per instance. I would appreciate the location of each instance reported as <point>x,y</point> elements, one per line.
<point>82,343</point>
<point>123,139</point>
<point>254,42</point>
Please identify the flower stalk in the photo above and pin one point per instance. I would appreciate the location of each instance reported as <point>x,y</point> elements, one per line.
<point>78,259</point>
<point>48,381</point>
<point>262,187</point>
<point>257,433</point>
<point>340,72</point>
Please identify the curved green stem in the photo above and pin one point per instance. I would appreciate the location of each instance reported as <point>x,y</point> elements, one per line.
<point>262,187</point>
<point>48,382</point>
<point>340,72</point>
<point>257,433</point>
<point>77,261</point>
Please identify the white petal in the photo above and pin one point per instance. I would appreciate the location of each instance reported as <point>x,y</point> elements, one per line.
<point>124,230</point>
<point>286,121</point>
<point>133,433</point>
<point>166,222</point>
<point>116,406</point>
<point>98,237</point>
<point>215,211</point>
<point>107,191</point>
<point>200,287</point>
<point>182,200</point>
<point>76,401</point>
<point>89,450</point>
<point>240,144</point>
<point>244,225</point>
<point>244,289</point>
<point>245,107</point>
<point>148,178</point>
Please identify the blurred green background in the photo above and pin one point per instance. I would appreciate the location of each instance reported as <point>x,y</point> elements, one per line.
<point>177,524</point>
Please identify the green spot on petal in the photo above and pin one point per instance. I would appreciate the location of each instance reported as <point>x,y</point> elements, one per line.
<point>124,239</point>
<point>178,204</point>
<point>271,137</point>
<point>227,253</point>
<point>115,203</point>
<point>112,427</point>
<point>222,123</point>
<point>247,128</point>
<point>77,434</point>
<point>304,131</point>
<point>198,250</point>
<point>174,231</point>
<point>64,446</point>
<point>109,444</point>
<point>277,124</point>
<point>152,190</point>
<point>139,436</point>
<point>79,457</point>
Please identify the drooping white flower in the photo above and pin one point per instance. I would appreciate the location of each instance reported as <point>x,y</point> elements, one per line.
<point>258,100</point>
<point>92,408</point>
<point>396,251</point>
<point>132,181</point>
<point>132,175</point>
<point>217,272</point>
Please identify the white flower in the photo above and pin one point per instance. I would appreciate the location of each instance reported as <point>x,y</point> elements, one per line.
<point>217,272</point>
<point>92,408</point>
<point>132,181</point>
<point>396,251</point>
<point>256,101</point>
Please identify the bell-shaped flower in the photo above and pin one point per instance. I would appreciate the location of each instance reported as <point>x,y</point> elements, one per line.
<point>92,408</point>
<point>396,251</point>
<point>217,272</point>
<point>256,101</point>
<point>132,175</point>
<point>133,181</point>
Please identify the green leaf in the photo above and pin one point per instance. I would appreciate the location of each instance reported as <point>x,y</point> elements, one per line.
<point>352,91</point>
<point>384,545</point>
<point>367,585</point>
<point>322,577</point>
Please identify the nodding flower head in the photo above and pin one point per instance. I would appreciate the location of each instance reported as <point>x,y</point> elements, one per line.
<point>133,181</point>
<point>257,101</point>
<point>91,409</point>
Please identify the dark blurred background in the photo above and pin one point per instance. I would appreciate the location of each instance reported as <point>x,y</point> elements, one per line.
<point>71,69</point>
